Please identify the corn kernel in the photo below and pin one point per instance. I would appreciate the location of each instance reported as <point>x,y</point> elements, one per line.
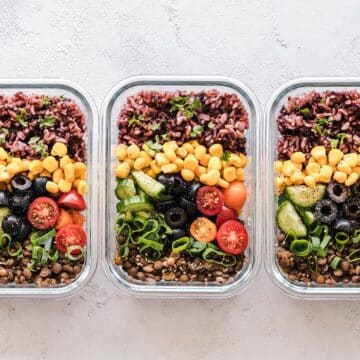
<point>155,168</point>
<point>50,164</point>
<point>326,172</point>
<point>80,169</point>
<point>191,162</point>
<point>69,172</point>
<point>13,169</point>
<point>17,161</point>
<point>216,150</point>
<point>214,163</point>
<point>344,167</point>
<point>57,175</point>
<point>182,152</point>
<point>287,181</point>
<point>170,146</point>
<point>278,166</point>
<point>31,176</point>
<point>279,183</point>
<point>188,147</point>
<point>2,168</point>
<point>200,170</point>
<point>205,160</point>
<point>351,159</point>
<point>187,175</point>
<point>65,186</point>
<point>59,149</point>
<point>64,161</point>
<point>25,164</point>
<point>82,187</point>
<point>236,160</point>
<point>318,152</point>
<point>45,173</point>
<point>309,181</point>
<point>213,177</point>
<point>121,152</point>
<point>288,168</point>
<point>5,176</point>
<point>3,154</point>
<point>145,156</point>
<point>151,173</point>
<point>356,169</point>
<point>52,188</point>
<point>161,159</point>
<point>133,151</point>
<point>200,152</point>
<point>297,178</point>
<point>240,174</point>
<point>194,143</point>
<point>229,173</point>
<point>122,170</point>
<point>223,183</point>
<point>170,155</point>
<point>316,176</point>
<point>169,168</point>
<point>139,163</point>
<point>335,156</point>
<point>297,157</point>
<point>312,168</point>
<point>179,163</point>
<point>129,161</point>
<point>352,179</point>
<point>340,177</point>
<point>36,167</point>
<point>244,160</point>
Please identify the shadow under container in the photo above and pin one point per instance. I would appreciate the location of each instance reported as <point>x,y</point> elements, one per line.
<point>112,104</point>
<point>296,87</point>
<point>70,90</point>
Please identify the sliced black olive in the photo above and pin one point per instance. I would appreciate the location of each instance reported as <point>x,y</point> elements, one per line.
<point>326,211</point>
<point>355,188</point>
<point>39,185</point>
<point>11,225</point>
<point>189,207</point>
<point>178,187</point>
<point>20,203</point>
<point>5,198</point>
<point>342,225</point>
<point>25,229</point>
<point>337,192</point>
<point>20,184</point>
<point>178,233</point>
<point>351,208</point>
<point>165,205</point>
<point>175,217</point>
<point>166,180</point>
<point>190,194</point>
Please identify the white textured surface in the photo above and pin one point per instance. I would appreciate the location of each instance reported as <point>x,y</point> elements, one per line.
<point>97,43</point>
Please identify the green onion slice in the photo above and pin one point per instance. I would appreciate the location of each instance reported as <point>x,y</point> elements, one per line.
<point>341,239</point>
<point>315,240</point>
<point>351,257</point>
<point>14,249</point>
<point>180,244</point>
<point>301,247</point>
<point>216,256</point>
<point>335,262</point>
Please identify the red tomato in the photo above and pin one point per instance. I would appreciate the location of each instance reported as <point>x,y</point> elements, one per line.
<point>43,213</point>
<point>69,236</point>
<point>225,214</point>
<point>232,237</point>
<point>209,200</point>
<point>72,200</point>
<point>235,195</point>
<point>65,219</point>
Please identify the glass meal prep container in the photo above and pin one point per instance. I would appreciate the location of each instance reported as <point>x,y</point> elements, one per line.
<point>333,200</point>
<point>111,108</point>
<point>63,90</point>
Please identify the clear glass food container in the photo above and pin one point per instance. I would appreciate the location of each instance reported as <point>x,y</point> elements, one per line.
<point>110,112</point>
<point>296,87</point>
<point>81,97</point>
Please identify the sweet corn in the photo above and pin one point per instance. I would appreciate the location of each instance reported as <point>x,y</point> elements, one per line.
<point>170,155</point>
<point>161,159</point>
<point>13,169</point>
<point>351,159</point>
<point>205,160</point>
<point>214,163</point>
<point>279,184</point>
<point>80,169</point>
<point>200,170</point>
<point>69,172</point>
<point>170,146</point>
<point>59,149</point>
<point>3,154</point>
<point>297,178</point>
<point>65,186</point>
<point>17,161</point>
<point>36,167</point>
<point>155,168</point>
<point>326,172</point>
<point>146,157</point>
<point>340,177</point>
<point>194,143</point>
<point>309,181</point>
<point>287,181</point>
<point>352,179</point>
<point>31,176</point>
<point>335,156</point>
<point>129,161</point>
<point>356,169</point>
<point>151,173</point>
<point>288,168</point>
<point>57,175</point>
<point>297,157</point>
<point>5,176</point>
<point>121,152</point>
<point>52,188</point>
<point>311,160</point>
<point>25,164</point>
<point>45,173</point>
<point>50,164</point>
<point>278,166</point>
<point>312,168</point>
<point>64,161</point>
<point>139,163</point>
<point>169,169</point>
<point>240,174</point>
<point>229,173</point>
<point>82,187</point>
<point>236,161</point>
<point>216,150</point>
<point>188,147</point>
<point>358,163</point>
<point>191,162</point>
<point>223,183</point>
<point>179,163</point>
<point>244,160</point>
<point>2,168</point>
<point>133,151</point>
<point>316,176</point>
<point>213,177</point>
<point>318,152</point>
<point>200,152</point>
<point>182,152</point>
<point>187,175</point>
<point>344,167</point>
<point>122,170</point>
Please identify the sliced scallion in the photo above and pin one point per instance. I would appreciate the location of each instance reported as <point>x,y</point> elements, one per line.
<point>335,262</point>
<point>301,247</point>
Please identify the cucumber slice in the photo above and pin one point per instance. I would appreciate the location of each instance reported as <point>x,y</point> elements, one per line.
<point>304,196</point>
<point>4,211</point>
<point>125,189</point>
<point>134,204</point>
<point>289,220</point>
<point>150,186</point>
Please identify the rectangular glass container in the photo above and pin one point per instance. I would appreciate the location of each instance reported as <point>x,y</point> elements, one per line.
<point>296,87</point>
<point>110,112</point>
<point>73,91</point>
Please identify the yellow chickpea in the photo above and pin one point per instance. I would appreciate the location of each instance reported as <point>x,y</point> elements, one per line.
<point>297,178</point>
<point>312,168</point>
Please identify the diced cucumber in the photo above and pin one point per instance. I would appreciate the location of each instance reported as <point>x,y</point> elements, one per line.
<point>151,187</point>
<point>134,204</point>
<point>125,188</point>
<point>305,196</point>
<point>289,220</point>
<point>4,211</point>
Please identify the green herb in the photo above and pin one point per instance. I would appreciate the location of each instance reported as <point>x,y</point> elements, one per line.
<point>3,134</point>
<point>165,137</point>
<point>155,127</point>
<point>305,111</point>
<point>211,125</point>
<point>197,131</point>
<point>183,104</point>
<point>226,156</point>
<point>40,149</point>
<point>21,117</point>
<point>33,140</point>
<point>322,101</point>
<point>156,147</point>
<point>46,101</point>
<point>62,97</point>
<point>47,121</point>
<point>334,143</point>
<point>341,137</point>
<point>136,119</point>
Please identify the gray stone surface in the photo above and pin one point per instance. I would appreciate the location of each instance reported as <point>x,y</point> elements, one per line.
<point>96,43</point>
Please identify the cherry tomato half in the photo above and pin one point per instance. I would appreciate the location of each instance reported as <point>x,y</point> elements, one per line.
<point>72,200</point>
<point>209,200</point>
<point>232,237</point>
<point>235,195</point>
<point>203,230</point>
<point>69,236</point>
<point>225,214</point>
<point>43,213</point>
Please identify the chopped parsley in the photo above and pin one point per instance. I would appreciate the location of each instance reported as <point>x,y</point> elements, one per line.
<point>341,137</point>
<point>33,140</point>
<point>62,97</point>
<point>21,117</point>
<point>305,111</point>
<point>334,143</point>
<point>319,126</point>
<point>46,100</point>
<point>211,125</point>
<point>3,134</point>
<point>196,131</point>
<point>40,149</point>
<point>183,104</point>
<point>47,121</point>
<point>136,120</point>
<point>226,156</point>
<point>155,127</point>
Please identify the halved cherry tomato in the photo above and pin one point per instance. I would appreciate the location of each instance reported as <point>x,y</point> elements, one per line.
<point>232,237</point>
<point>43,213</point>
<point>65,219</point>
<point>225,214</point>
<point>209,200</point>
<point>69,236</point>
<point>72,200</point>
<point>203,230</point>
<point>235,195</point>
<point>77,217</point>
